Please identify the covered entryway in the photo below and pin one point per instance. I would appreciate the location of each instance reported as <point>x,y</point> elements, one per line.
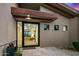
<point>28,30</point>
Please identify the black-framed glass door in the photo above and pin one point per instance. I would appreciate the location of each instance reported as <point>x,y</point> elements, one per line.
<point>30,34</point>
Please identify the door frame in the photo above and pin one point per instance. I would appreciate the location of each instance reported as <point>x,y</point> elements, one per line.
<point>23,34</point>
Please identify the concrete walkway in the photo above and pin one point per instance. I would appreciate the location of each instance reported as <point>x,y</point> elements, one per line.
<point>49,51</point>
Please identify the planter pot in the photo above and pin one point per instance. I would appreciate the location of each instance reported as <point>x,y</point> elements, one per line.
<point>76,45</point>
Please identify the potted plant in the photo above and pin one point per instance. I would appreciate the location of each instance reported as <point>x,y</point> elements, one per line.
<point>76,45</point>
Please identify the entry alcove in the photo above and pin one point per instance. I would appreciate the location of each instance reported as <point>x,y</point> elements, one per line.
<point>28,30</point>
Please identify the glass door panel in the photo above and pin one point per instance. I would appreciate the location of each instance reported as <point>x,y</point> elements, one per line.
<point>19,34</point>
<point>30,34</point>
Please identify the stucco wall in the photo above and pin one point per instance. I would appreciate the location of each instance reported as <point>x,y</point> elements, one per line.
<point>55,38</point>
<point>7,24</point>
<point>60,38</point>
<point>74,32</point>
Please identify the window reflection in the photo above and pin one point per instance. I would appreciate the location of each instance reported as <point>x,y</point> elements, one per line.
<point>30,34</point>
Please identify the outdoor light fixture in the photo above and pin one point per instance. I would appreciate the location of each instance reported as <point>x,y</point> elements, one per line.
<point>28,17</point>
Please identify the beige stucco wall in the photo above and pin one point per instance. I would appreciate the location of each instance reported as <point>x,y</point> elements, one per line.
<point>55,38</point>
<point>7,24</point>
<point>59,38</point>
<point>74,31</point>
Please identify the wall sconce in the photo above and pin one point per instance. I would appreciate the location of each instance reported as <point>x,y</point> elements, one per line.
<point>28,17</point>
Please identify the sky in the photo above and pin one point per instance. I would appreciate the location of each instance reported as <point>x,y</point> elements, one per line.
<point>73,5</point>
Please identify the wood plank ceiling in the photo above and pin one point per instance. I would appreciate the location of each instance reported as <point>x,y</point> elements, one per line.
<point>41,16</point>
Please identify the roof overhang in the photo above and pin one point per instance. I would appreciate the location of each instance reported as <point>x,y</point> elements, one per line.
<point>61,9</point>
<point>41,16</point>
